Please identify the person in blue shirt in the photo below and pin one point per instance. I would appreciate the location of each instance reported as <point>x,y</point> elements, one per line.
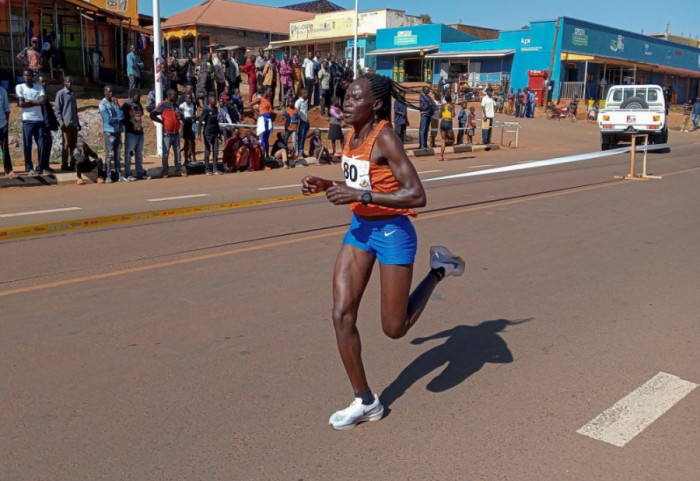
<point>427,106</point>
<point>462,122</point>
<point>696,114</point>
<point>133,68</point>
<point>112,128</point>
<point>400,119</point>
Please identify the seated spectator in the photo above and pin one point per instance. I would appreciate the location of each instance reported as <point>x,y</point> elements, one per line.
<point>319,151</point>
<point>235,155</point>
<point>86,160</point>
<point>255,151</point>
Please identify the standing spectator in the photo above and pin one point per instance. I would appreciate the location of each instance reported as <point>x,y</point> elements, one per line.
<point>302,108</point>
<point>168,114</point>
<point>133,138</point>
<point>67,117</point>
<point>133,68</point>
<point>270,72</point>
<point>81,158</point>
<point>324,80</point>
<point>260,61</point>
<point>265,119</point>
<point>400,119</point>
<point>205,80</point>
<point>518,103</point>
<point>286,72</point>
<point>50,125</point>
<point>488,111</point>
<point>447,113</point>
<point>237,99</point>
<point>30,98</point>
<point>510,105</point>
<point>426,108</point>
<point>530,103</point>
<point>189,117</point>
<point>687,113</point>
<point>471,126</point>
<point>298,77</point>
<point>31,56</point>
<point>337,76</point>
<point>696,114</point>
<point>249,70</point>
<point>188,71</point>
<point>209,122</point>
<point>4,133</point>
<point>233,71</point>
<point>309,75</point>
<point>174,70</point>
<point>335,132</point>
<point>461,122</point>
<point>435,119</point>
<point>219,73</point>
<point>112,128</point>
<point>291,124</point>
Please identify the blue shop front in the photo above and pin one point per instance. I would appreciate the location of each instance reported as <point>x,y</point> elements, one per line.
<point>567,57</point>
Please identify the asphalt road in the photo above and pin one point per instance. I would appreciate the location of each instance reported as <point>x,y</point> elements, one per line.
<point>201,347</point>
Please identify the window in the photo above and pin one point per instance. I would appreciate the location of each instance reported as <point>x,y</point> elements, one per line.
<point>241,33</point>
<point>653,95</point>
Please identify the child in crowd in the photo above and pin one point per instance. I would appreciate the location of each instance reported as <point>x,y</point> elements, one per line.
<point>209,122</point>
<point>255,153</point>
<point>291,123</point>
<point>336,133</point>
<point>462,122</point>
<point>86,160</point>
<point>188,118</point>
<point>471,126</point>
<point>317,149</point>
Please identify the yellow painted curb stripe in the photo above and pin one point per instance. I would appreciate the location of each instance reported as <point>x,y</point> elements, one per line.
<point>18,232</point>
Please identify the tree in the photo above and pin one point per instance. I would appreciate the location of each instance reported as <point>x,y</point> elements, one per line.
<point>425,18</point>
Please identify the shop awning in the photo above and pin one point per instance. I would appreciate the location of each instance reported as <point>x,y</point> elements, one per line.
<point>307,41</point>
<point>472,54</point>
<point>402,51</point>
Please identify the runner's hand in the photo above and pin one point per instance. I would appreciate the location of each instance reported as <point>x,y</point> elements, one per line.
<point>313,185</point>
<point>340,194</point>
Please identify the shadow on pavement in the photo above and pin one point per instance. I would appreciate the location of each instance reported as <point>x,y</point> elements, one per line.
<point>466,349</point>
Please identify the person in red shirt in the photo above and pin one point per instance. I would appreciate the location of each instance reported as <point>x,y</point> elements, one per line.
<point>249,70</point>
<point>168,113</point>
<point>382,187</point>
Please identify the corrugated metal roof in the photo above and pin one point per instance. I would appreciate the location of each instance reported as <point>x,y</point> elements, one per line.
<point>237,15</point>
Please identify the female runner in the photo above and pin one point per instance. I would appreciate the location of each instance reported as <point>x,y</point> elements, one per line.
<point>382,186</point>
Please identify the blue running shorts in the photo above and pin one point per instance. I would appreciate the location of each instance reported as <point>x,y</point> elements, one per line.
<point>393,241</point>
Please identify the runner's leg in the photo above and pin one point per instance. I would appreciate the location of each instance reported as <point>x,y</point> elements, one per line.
<point>350,277</point>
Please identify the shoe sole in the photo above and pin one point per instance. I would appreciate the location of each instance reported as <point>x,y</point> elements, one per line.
<point>373,417</point>
<point>455,260</point>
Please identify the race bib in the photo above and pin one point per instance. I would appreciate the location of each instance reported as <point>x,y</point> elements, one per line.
<point>356,173</point>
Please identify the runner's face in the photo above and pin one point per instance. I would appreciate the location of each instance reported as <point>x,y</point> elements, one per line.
<point>359,106</point>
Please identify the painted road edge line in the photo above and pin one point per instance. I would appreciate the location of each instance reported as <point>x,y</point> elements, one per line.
<point>49,211</point>
<point>288,186</point>
<point>191,196</point>
<point>628,417</point>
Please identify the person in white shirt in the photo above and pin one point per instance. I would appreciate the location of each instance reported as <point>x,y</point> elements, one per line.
<point>309,76</point>
<point>302,106</point>
<point>30,98</point>
<point>488,109</point>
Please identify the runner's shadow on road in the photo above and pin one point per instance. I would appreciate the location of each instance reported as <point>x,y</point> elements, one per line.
<point>466,349</point>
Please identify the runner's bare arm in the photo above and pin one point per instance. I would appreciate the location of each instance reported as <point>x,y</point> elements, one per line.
<point>387,150</point>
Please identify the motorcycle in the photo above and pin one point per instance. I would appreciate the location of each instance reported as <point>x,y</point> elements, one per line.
<point>469,94</point>
<point>554,112</point>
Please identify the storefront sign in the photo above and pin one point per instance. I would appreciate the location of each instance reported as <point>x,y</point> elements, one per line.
<point>579,38</point>
<point>618,45</point>
<point>647,50</point>
<point>526,45</point>
<point>338,24</point>
<point>405,37</point>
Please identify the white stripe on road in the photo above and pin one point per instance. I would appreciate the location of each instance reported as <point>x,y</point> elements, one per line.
<point>429,171</point>
<point>634,412</point>
<point>178,197</point>
<point>480,166</point>
<point>17,214</point>
<point>288,186</point>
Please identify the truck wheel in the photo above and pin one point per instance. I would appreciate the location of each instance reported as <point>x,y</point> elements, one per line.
<point>634,103</point>
<point>604,146</point>
<point>662,138</point>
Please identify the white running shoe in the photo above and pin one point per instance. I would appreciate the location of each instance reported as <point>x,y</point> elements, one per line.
<point>441,257</point>
<point>357,413</point>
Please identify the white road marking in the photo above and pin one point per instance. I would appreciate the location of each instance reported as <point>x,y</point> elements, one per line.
<point>633,413</point>
<point>542,163</point>
<point>429,171</point>
<point>279,187</point>
<point>178,197</point>
<point>17,214</point>
<point>480,166</point>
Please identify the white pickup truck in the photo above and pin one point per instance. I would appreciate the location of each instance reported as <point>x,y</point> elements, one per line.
<point>633,109</point>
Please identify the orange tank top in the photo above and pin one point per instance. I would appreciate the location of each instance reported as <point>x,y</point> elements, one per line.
<point>361,173</point>
<point>265,106</point>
